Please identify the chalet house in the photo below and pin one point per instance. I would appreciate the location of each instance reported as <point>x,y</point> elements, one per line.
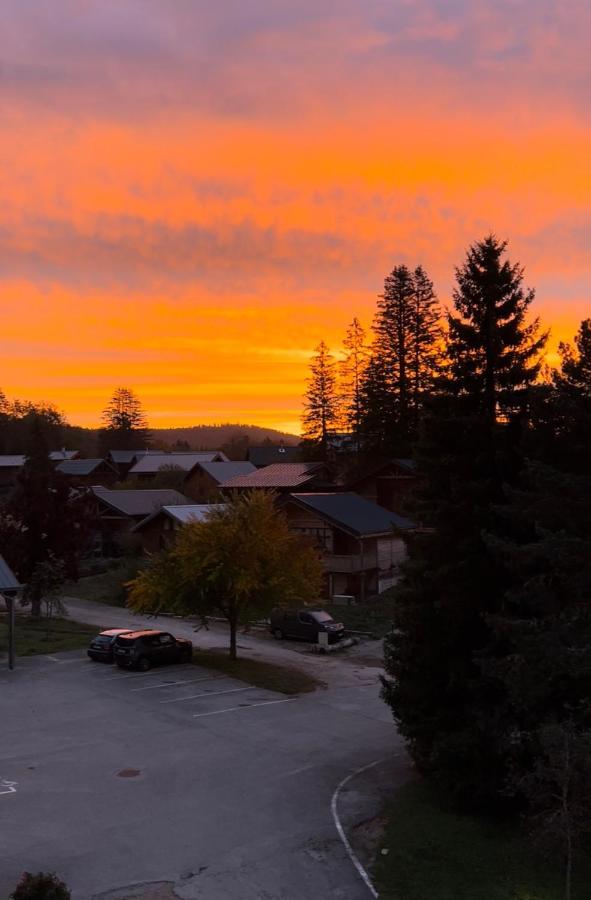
<point>86,472</point>
<point>389,484</point>
<point>361,544</point>
<point>267,456</point>
<point>10,466</point>
<point>118,512</point>
<point>153,464</point>
<point>57,456</point>
<point>206,480</point>
<point>158,529</point>
<point>283,478</point>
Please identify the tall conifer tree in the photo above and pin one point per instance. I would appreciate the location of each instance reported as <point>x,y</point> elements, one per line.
<point>446,707</point>
<point>125,423</point>
<point>407,334</point>
<point>321,405</point>
<point>352,370</point>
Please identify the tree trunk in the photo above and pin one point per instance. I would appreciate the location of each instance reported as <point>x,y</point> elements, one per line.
<point>35,605</point>
<point>233,619</point>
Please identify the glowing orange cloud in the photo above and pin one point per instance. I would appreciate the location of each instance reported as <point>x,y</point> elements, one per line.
<point>194,197</point>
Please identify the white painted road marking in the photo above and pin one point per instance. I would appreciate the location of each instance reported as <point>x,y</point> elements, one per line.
<point>208,694</point>
<point>333,807</point>
<point>216,712</point>
<point>151,687</point>
<point>8,787</point>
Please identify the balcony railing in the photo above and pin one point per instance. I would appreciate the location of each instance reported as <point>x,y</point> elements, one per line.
<point>355,562</point>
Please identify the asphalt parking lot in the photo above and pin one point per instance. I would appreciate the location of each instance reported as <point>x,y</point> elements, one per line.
<point>181,775</point>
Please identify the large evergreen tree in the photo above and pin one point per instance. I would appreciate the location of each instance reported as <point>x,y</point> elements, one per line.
<point>352,370</point>
<point>494,351</point>
<point>125,423</point>
<point>571,401</point>
<point>405,350</point>
<point>321,404</point>
<point>45,519</point>
<point>446,706</point>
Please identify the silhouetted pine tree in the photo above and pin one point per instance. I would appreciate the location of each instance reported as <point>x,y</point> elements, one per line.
<point>446,707</point>
<point>405,349</point>
<point>571,401</point>
<point>52,519</point>
<point>321,404</point>
<point>125,424</point>
<point>494,352</point>
<point>426,342</point>
<point>351,370</point>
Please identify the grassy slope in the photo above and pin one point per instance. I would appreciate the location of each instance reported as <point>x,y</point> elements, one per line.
<point>283,679</point>
<point>34,636</point>
<point>374,617</point>
<point>436,854</point>
<point>108,587</point>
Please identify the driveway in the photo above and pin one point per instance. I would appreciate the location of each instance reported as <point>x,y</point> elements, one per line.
<point>353,666</point>
<point>186,777</point>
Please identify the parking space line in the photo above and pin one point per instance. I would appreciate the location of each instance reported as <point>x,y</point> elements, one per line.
<point>151,687</point>
<point>209,694</point>
<point>132,674</point>
<point>216,712</point>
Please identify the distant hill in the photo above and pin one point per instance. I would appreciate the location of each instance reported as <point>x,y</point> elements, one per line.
<point>234,438</point>
<point>212,437</point>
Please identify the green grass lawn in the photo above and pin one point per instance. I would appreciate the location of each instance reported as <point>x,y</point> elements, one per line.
<point>375,616</point>
<point>34,636</point>
<point>436,854</point>
<point>260,674</point>
<point>108,587</point>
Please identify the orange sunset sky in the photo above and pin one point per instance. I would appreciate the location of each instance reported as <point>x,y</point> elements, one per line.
<point>195,193</point>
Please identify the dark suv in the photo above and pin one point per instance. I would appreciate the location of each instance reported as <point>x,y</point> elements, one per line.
<point>101,646</point>
<point>144,649</point>
<point>305,624</point>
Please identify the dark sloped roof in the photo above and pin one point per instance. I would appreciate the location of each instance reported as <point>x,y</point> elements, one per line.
<point>8,582</point>
<point>123,457</point>
<point>191,512</point>
<point>354,514</point>
<point>407,464</point>
<point>139,503</point>
<point>12,460</point>
<point>276,476</point>
<point>266,456</point>
<point>80,466</point>
<point>223,471</point>
<point>57,455</point>
<point>151,463</point>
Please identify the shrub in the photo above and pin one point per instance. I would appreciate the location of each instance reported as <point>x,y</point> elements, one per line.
<point>42,886</point>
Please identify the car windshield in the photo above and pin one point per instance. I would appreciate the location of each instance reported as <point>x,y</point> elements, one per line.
<point>322,617</point>
<point>123,639</point>
<point>103,639</point>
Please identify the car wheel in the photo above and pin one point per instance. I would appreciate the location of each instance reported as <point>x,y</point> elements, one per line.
<point>278,634</point>
<point>144,664</point>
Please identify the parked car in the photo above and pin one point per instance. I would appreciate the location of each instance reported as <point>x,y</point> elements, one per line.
<point>101,646</point>
<point>305,624</point>
<point>144,649</point>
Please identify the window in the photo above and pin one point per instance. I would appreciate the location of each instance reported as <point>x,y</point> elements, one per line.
<point>321,617</point>
<point>165,639</point>
<point>306,618</point>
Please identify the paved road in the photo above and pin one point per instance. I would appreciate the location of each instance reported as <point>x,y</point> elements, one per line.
<point>232,799</point>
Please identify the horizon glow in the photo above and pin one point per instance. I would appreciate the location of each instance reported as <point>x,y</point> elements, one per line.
<point>195,195</point>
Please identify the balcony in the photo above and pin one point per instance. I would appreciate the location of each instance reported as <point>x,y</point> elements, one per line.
<point>355,562</point>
